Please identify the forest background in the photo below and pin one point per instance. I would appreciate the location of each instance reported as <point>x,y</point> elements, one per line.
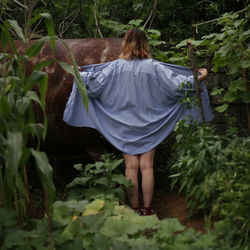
<point>104,18</point>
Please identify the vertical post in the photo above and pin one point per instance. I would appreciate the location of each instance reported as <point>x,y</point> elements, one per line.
<point>196,82</point>
<point>244,76</point>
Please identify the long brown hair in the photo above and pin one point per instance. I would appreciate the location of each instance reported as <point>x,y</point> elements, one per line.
<point>135,45</point>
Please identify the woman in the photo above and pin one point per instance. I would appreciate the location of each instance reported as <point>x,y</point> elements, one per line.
<point>135,103</point>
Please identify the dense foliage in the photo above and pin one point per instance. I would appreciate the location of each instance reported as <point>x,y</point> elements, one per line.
<point>20,92</point>
<point>92,18</point>
<point>213,171</point>
<point>107,225</point>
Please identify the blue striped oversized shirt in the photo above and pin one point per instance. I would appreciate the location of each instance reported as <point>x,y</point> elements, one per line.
<point>134,104</point>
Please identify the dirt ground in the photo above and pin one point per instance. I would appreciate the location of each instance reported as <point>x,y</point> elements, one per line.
<point>172,205</point>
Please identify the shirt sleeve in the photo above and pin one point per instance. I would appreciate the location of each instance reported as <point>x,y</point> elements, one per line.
<point>96,77</point>
<point>94,82</point>
<point>173,83</point>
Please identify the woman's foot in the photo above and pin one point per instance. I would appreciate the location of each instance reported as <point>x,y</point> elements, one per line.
<point>147,211</point>
<point>137,210</point>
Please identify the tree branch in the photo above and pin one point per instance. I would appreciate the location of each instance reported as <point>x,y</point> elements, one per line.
<point>196,82</point>
<point>96,22</point>
<point>151,15</point>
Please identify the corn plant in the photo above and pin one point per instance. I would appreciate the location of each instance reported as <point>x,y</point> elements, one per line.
<point>18,125</point>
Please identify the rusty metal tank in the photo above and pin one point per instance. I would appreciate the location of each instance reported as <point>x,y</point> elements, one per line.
<point>63,139</point>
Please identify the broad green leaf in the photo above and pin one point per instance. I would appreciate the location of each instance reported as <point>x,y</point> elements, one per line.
<point>169,227</point>
<point>102,242</point>
<point>220,36</point>
<point>245,96</point>
<point>102,180</point>
<point>81,206</point>
<point>210,36</point>
<point>8,217</point>
<point>121,179</point>
<point>35,77</point>
<point>5,32</point>
<point>92,223</point>
<point>38,129</point>
<point>124,211</point>
<point>78,181</point>
<point>122,244</point>
<point>99,167</point>
<point>34,19</point>
<point>93,208</point>
<point>78,166</point>
<point>50,28</point>
<point>156,43</point>
<point>181,44</point>
<point>218,62</point>
<point>45,173</point>
<point>245,64</point>
<point>224,50</point>
<point>246,33</point>
<point>17,240</point>
<point>4,40</point>
<point>222,108</point>
<point>32,95</point>
<point>36,47</point>
<point>17,29</point>
<point>114,164</point>
<point>136,22</point>
<point>231,96</point>
<point>43,84</point>
<point>145,222</point>
<point>61,213</point>
<point>44,63</point>
<point>22,104</point>
<point>5,109</point>
<point>78,79</point>
<point>175,175</point>
<point>157,32</point>
<point>20,4</point>
<point>68,68</point>
<point>71,229</point>
<point>216,91</point>
<point>197,42</point>
<point>15,150</point>
<point>117,227</point>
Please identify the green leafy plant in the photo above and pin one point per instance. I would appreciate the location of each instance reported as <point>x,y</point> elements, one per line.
<point>20,90</point>
<point>195,158</point>
<point>101,180</point>
<point>18,123</point>
<point>228,50</point>
<point>213,172</point>
<point>102,224</point>
<point>229,186</point>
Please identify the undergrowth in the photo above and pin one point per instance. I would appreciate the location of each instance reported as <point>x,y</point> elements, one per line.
<point>214,173</point>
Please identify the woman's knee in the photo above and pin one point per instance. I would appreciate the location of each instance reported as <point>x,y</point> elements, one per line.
<point>131,161</point>
<point>147,160</point>
<point>146,165</point>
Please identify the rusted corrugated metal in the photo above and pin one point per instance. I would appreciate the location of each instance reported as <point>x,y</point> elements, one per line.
<point>61,138</point>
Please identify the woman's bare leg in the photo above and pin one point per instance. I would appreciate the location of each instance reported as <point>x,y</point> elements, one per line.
<point>131,172</point>
<point>146,166</point>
